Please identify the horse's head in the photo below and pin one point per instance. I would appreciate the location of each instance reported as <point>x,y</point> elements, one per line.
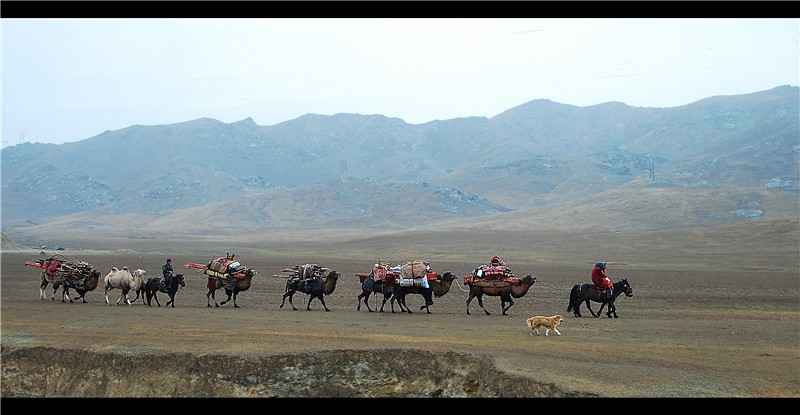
<point>179,280</point>
<point>626,288</point>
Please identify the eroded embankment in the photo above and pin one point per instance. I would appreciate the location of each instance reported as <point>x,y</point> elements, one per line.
<point>53,372</point>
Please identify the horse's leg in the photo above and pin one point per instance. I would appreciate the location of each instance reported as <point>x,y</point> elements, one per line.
<point>42,292</point>
<point>235,293</point>
<point>155,297</point>
<point>612,310</point>
<point>171,299</point>
<point>589,306</point>
<point>602,305</point>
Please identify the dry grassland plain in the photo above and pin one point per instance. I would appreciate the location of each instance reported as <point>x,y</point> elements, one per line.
<point>715,313</point>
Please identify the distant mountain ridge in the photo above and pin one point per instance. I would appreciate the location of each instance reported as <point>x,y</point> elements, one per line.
<point>350,170</point>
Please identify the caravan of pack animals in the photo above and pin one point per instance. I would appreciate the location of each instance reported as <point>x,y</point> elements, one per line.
<point>393,281</point>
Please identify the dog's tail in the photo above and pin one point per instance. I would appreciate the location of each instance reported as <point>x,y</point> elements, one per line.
<point>573,297</point>
<point>529,322</point>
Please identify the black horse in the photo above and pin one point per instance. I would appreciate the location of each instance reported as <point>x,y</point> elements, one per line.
<point>384,286</point>
<point>586,292</point>
<point>154,285</point>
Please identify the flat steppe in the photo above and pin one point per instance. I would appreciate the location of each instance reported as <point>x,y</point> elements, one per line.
<point>715,312</point>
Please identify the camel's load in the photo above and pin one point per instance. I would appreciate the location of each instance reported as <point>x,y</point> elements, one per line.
<point>222,267</point>
<point>493,272</point>
<point>382,270</point>
<point>307,272</point>
<point>415,274</point>
<point>497,279</point>
<point>63,267</point>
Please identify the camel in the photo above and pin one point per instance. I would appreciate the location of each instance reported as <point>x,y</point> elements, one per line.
<point>126,281</point>
<point>232,286</point>
<point>316,286</point>
<point>438,287</point>
<point>82,286</point>
<point>503,287</point>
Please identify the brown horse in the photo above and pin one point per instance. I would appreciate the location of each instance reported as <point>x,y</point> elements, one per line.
<point>232,286</point>
<point>438,287</point>
<point>82,286</point>
<point>505,289</point>
<point>317,287</point>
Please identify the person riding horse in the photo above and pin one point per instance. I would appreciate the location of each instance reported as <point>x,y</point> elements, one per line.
<point>167,272</point>
<point>601,281</point>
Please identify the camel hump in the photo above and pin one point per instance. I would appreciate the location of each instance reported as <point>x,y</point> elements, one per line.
<point>124,268</point>
<point>115,269</point>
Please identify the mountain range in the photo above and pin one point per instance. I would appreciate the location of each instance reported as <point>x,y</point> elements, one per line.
<point>540,165</point>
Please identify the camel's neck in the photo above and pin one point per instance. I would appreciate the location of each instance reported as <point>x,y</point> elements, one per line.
<point>517,291</point>
<point>329,286</point>
<point>440,288</point>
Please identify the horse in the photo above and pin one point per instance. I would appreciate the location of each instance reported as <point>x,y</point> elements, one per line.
<point>125,281</point>
<point>232,286</point>
<point>154,285</point>
<point>385,286</point>
<point>82,286</point>
<point>505,289</point>
<point>316,287</point>
<point>438,287</point>
<point>585,292</point>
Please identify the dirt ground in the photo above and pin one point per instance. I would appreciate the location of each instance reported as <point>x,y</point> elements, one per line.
<point>684,333</point>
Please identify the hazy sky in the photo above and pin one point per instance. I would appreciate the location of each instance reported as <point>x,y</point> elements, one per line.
<point>70,79</point>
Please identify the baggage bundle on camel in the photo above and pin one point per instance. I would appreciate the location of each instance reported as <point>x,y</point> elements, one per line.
<point>491,274</point>
<point>415,274</point>
<point>63,267</point>
<point>222,267</point>
<point>307,272</point>
<point>382,271</point>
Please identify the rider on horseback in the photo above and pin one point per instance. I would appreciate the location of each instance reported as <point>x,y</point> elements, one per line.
<point>166,270</point>
<point>601,281</point>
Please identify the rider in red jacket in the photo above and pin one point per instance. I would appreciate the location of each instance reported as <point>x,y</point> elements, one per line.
<point>600,280</point>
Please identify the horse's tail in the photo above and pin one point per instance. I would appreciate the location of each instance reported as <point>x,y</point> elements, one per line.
<point>573,297</point>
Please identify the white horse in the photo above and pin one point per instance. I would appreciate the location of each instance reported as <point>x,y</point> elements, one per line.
<point>125,281</point>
